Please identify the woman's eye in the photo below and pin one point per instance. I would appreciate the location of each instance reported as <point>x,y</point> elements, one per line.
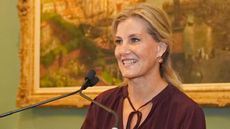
<point>118,41</point>
<point>134,40</point>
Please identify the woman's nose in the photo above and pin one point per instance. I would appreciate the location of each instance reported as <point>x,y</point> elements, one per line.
<point>124,49</point>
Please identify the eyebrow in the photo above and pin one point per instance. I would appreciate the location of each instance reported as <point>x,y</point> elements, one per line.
<point>131,35</point>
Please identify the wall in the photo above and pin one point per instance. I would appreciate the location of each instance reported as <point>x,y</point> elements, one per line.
<point>47,118</point>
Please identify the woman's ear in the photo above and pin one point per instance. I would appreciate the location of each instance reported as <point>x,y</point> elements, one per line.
<point>161,49</point>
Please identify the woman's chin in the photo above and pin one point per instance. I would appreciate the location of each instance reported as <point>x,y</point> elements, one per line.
<point>129,75</point>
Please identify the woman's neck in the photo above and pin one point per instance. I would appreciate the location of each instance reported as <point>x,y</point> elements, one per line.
<point>143,89</point>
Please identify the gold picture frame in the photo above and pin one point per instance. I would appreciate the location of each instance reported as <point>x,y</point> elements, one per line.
<point>214,94</point>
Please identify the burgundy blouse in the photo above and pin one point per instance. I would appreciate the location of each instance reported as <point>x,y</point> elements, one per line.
<point>172,109</point>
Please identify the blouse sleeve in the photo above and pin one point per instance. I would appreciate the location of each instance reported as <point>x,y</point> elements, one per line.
<point>194,119</point>
<point>90,122</point>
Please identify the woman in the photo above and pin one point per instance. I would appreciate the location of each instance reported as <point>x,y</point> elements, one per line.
<point>151,98</point>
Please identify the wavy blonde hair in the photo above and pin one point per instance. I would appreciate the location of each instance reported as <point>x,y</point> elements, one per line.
<point>159,27</point>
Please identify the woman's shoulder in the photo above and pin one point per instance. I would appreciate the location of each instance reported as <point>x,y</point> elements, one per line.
<point>111,94</point>
<point>187,111</point>
<point>180,99</point>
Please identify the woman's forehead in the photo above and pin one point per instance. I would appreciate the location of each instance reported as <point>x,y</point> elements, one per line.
<point>131,25</point>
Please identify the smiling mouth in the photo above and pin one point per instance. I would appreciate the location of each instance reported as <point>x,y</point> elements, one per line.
<point>126,62</point>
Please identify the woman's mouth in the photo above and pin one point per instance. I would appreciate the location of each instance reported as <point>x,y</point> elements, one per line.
<point>127,62</point>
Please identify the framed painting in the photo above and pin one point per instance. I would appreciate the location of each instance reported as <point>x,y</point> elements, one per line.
<point>60,40</point>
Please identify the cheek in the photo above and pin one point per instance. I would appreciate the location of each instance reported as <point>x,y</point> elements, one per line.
<point>149,51</point>
<point>116,52</point>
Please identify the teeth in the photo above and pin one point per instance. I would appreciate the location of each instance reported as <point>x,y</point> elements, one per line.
<point>128,61</point>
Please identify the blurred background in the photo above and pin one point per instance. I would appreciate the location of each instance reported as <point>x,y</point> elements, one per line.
<point>72,118</point>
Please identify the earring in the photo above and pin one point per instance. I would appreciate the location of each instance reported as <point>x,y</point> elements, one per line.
<point>160,60</point>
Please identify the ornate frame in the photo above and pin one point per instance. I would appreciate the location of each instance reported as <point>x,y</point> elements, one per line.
<point>215,94</point>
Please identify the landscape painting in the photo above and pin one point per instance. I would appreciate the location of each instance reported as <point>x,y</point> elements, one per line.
<point>61,40</point>
<point>76,36</point>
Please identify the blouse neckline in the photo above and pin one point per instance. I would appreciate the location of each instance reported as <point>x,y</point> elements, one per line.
<point>159,97</point>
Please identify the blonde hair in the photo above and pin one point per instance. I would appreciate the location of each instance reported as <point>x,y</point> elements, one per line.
<point>159,27</point>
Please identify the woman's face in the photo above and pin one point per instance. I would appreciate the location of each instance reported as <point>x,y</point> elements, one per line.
<point>136,51</point>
